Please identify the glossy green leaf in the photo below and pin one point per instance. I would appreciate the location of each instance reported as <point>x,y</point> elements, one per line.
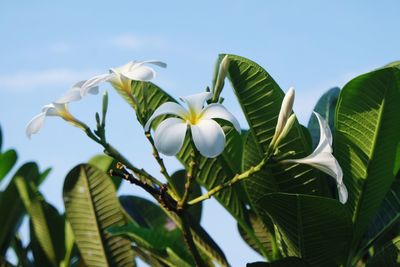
<point>262,233</point>
<point>316,229</point>
<point>47,225</point>
<point>387,217</point>
<point>7,161</point>
<point>367,142</point>
<point>10,219</point>
<point>106,163</point>
<point>91,207</point>
<point>286,262</point>
<point>389,256</point>
<point>326,107</point>
<point>158,241</point>
<point>179,180</point>
<point>147,214</point>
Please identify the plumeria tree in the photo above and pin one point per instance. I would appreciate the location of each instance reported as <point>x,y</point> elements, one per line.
<point>326,195</point>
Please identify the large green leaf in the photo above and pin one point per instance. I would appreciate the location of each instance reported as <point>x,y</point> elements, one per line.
<point>47,225</point>
<point>167,246</point>
<point>286,262</point>
<point>389,256</point>
<point>106,163</point>
<point>388,216</point>
<point>11,218</point>
<point>367,141</point>
<point>326,107</point>
<point>316,229</point>
<point>91,207</point>
<point>7,161</point>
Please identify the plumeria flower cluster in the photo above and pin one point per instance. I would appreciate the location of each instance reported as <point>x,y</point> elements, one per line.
<point>120,77</point>
<point>208,136</point>
<point>321,158</point>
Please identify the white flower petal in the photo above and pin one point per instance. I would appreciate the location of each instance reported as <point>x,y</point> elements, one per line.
<point>94,82</point>
<point>35,124</point>
<point>208,137</point>
<point>54,109</point>
<point>323,161</point>
<point>195,102</point>
<point>124,68</point>
<point>169,136</point>
<point>72,95</point>
<point>343,194</point>
<point>285,111</point>
<point>166,108</point>
<point>325,131</point>
<point>218,111</point>
<point>141,73</point>
<point>155,62</point>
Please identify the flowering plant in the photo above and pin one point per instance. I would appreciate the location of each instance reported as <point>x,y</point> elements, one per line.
<point>295,205</point>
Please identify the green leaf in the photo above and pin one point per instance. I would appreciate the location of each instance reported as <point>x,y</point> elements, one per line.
<point>262,233</point>
<point>260,98</point>
<point>179,179</point>
<point>286,262</point>
<point>367,142</point>
<point>326,107</point>
<point>386,218</point>
<point>316,229</point>
<point>11,218</point>
<point>7,161</point>
<point>145,213</point>
<point>395,64</point>
<point>158,241</point>
<point>389,256</point>
<point>106,163</point>
<point>91,207</point>
<point>47,226</point>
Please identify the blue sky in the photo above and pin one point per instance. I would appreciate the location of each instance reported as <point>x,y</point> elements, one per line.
<point>47,46</point>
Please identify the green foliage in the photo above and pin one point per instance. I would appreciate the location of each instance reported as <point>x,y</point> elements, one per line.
<point>179,178</point>
<point>316,229</point>
<point>286,262</point>
<point>47,225</point>
<point>106,163</point>
<point>366,142</point>
<point>7,161</point>
<point>91,207</point>
<point>11,218</point>
<point>389,256</point>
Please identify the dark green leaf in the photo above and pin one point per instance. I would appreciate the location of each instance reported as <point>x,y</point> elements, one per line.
<point>389,256</point>
<point>7,161</point>
<point>11,218</point>
<point>158,241</point>
<point>91,207</point>
<point>179,180</point>
<point>286,262</point>
<point>326,107</point>
<point>367,142</point>
<point>314,228</point>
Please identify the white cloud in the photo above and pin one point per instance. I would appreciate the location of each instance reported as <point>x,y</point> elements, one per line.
<point>28,80</point>
<point>130,41</point>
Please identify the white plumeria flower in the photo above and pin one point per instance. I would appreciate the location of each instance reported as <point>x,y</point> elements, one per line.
<point>207,134</point>
<point>53,109</point>
<point>119,77</point>
<point>322,158</point>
